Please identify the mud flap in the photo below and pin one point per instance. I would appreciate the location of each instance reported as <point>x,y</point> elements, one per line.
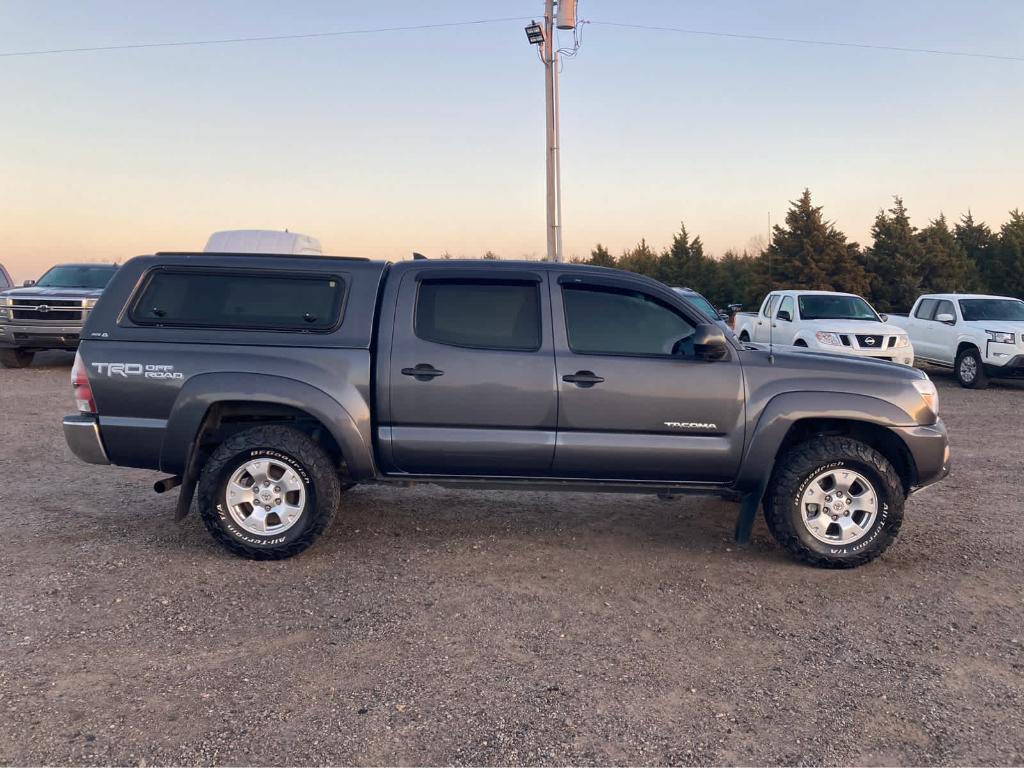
<point>748,514</point>
<point>188,486</point>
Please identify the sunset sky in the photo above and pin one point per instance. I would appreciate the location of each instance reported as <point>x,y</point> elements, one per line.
<point>434,140</point>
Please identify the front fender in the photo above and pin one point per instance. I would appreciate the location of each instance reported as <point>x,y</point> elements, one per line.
<point>205,390</point>
<point>786,409</point>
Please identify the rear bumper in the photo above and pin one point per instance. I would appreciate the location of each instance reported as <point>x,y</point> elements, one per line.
<point>82,434</point>
<point>929,447</point>
<point>39,336</point>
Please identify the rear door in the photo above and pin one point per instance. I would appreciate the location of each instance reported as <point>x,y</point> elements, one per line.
<point>922,329</point>
<point>472,373</point>
<point>635,402</point>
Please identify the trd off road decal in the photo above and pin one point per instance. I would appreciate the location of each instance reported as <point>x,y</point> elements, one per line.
<point>147,370</point>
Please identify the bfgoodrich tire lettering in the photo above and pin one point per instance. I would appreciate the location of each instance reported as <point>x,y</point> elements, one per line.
<point>284,447</point>
<point>785,511</point>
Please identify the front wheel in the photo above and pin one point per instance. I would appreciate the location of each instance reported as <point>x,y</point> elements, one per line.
<point>16,358</point>
<point>268,493</point>
<point>834,502</point>
<point>969,370</point>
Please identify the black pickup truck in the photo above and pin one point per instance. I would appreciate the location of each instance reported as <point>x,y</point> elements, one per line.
<point>266,385</point>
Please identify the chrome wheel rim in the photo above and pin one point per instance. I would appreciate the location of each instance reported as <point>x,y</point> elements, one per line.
<point>838,506</point>
<point>968,368</point>
<point>265,497</point>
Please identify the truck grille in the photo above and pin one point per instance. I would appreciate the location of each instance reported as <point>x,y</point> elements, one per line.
<point>47,309</point>
<point>870,342</point>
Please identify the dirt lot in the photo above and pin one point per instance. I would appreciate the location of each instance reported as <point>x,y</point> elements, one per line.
<point>433,626</point>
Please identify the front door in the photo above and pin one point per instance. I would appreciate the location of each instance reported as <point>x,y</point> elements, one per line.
<point>472,374</point>
<point>636,402</point>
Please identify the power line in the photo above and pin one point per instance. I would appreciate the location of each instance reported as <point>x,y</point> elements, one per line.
<point>266,38</point>
<point>800,41</point>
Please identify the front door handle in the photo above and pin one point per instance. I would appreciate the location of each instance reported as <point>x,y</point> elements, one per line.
<point>422,372</point>
<point>582,378</point>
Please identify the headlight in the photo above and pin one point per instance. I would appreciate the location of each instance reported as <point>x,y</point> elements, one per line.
<point>902,341</point>
<point>930,395</point>
<point>6,301</point>
<point>1000,337</point>
<point>89,303</point>
<point>827,337</point>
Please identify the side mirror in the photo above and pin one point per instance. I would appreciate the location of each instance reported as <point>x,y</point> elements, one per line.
<point>709,342</point>
<point>784,315</point>
<point>884,317</point>
<point>28,283</point>
<point>946,318</point>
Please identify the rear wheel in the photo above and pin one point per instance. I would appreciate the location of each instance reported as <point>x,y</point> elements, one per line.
<point>834,502</point>
<point>268,493</point>
<point>16,358</point>
<point>969,370</point>
<point>800,343</point>
<point>744,336</point>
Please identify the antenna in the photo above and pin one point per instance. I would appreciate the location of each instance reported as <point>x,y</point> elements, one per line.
<point>771,287</point>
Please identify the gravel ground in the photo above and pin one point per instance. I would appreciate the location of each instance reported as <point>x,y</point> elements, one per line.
<point>432,626</point>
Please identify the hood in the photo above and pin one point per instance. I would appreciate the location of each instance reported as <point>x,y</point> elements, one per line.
<point>854,326</point>
<point>814,361</point>
<point>35,292</point>
<point>1007,326</point>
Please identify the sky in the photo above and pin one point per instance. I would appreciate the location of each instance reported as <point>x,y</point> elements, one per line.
<point>433,141</point>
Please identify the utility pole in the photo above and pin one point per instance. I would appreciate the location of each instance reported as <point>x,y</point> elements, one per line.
<point>550,53</point>
<point>544,37</point>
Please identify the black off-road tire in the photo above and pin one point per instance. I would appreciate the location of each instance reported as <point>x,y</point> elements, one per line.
<point>798,467</point>
<point>285,445</point>
<point>16,358</point>
<point>980,380</point>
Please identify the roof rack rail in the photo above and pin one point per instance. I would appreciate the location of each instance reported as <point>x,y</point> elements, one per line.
<point>276,255</point>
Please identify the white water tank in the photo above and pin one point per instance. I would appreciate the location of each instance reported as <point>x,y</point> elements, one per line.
<point>263,241</point>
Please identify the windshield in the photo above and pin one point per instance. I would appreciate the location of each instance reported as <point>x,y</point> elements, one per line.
<point>835,306</point>
<point>85,276</point>
<point>992,309</point>
<point>699,301</point>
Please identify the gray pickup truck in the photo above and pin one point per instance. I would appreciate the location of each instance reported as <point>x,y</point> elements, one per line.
<point>266,385</point>
<point>50,313</point>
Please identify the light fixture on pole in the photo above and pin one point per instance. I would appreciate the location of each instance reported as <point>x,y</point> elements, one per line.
<point>544,36</point>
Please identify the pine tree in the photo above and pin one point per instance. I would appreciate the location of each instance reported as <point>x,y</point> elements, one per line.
<point>641,259</point>
<point>979,246</point>
<point>894,260</point>
<point>685,263</point>
<point>810,253</point>
<point>601,257</point>
<point>944,264</point>
<point>1009,260</point>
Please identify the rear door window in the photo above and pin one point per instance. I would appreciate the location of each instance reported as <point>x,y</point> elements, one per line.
<point>255,300</point>
<point>480,313</point>
<point>772,305</point>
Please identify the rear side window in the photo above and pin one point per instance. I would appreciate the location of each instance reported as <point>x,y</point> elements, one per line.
<point>481,314</point>
<point>257,301</point>
<point>769,308</point>
<point>613,321</point>
<point>926,309</point>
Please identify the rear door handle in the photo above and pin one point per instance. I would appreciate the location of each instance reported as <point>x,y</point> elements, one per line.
<point>422,372</point>
<point>582,378</point>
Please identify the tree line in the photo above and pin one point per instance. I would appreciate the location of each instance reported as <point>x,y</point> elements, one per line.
<point>811,253</point>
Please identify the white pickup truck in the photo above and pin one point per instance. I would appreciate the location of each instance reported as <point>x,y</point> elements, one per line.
<point>978,336</point>
<point>826,321</point>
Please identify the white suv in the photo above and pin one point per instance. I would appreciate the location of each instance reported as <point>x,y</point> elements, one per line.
<point>978,336</point>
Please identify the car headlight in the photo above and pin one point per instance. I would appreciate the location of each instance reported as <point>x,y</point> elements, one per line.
<point>827,337</point>
<point>89,303</point>
<point>930,395</point>
<point>1000,337</point>
<point>902,341</point>
<point>6,301</point>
